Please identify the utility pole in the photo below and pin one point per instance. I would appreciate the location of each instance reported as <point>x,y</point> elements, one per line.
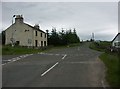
<point>93,36</point>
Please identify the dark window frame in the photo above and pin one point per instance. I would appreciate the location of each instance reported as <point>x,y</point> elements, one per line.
<point>41,34</point>
<point>41,43</point>
<point>45,35</point>
<point>45,44</point>
<point>35,33</point>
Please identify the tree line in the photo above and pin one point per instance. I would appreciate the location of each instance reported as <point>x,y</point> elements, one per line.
<point>63,37</point>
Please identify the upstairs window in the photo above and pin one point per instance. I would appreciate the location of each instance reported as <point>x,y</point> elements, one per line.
<point>45,35</point>
<point>35,33</point>
<point>41,34</point>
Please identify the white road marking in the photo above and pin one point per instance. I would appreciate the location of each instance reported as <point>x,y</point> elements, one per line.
<point>57,54</point>
<point>6,60</point>
<point>3,64</point>
<point>64,56</point>
<point>49,69</point>
<point>16,58</point>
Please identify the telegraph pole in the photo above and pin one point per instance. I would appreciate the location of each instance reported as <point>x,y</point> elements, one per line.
<point>93,36</point>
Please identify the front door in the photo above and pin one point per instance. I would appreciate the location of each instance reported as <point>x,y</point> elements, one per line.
<point>41,43</point>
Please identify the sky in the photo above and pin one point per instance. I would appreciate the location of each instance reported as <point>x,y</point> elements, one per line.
<point>100,18</point>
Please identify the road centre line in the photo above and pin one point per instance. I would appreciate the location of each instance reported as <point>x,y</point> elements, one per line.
<point>64,56</point>
<point>49,69</point>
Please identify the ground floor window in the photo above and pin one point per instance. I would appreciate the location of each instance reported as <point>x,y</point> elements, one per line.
<point>17,42</point>
<point>117,44</point>
<point>36,43</point>
<point>44,43</point>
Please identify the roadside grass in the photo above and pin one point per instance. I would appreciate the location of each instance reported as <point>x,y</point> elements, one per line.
<point>113,72</point>
<point>8,50</point>
<point>111,61</point>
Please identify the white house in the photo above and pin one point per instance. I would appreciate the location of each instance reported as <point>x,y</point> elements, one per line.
<point>24,34</point>
<point>116,41</point>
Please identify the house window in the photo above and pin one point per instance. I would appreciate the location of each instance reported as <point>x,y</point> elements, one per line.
<point>17,42</point>
<point>44,43</point>
<point>118,43</point>
<point>35,33</point>
<point>115,44</point>
<point>41,34</point>
<point>36,43</point>
<point>45,35</point>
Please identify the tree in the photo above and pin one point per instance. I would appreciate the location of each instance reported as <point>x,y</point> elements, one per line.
<point>63,38</point>
<point>54,37</point>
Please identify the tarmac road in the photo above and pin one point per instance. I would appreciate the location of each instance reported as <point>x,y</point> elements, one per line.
<point>69,67</point>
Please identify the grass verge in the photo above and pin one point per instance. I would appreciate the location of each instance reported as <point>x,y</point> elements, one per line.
<point>112,64</point>
<point>111,61</point>
<point>8,50</point>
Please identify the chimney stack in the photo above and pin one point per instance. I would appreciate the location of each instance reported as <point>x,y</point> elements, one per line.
<point>19,19</point>
<point>36,26</point>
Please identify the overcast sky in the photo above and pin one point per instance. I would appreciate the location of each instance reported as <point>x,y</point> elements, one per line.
<point>100,18</point>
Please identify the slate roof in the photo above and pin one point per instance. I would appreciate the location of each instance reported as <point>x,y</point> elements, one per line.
<point>116,37</point>
<point>34,28</point>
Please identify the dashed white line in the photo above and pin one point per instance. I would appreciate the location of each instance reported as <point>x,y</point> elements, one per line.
<point>49,69</point>
<point>64,56</point>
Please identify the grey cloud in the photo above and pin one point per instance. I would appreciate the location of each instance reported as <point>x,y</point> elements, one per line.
<point>86,17</point>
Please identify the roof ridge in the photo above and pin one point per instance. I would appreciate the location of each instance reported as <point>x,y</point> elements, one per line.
<point>116,36</point>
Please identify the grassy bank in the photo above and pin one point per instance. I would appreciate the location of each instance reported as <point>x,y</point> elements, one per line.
<point>111,61</point>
